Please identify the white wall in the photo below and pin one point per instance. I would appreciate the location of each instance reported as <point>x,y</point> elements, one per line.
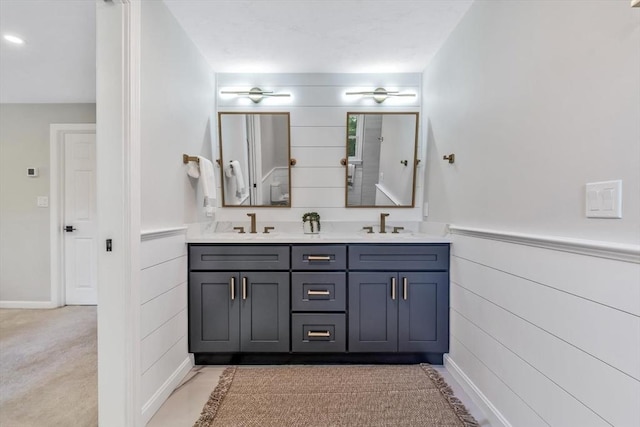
<point>24,227</point>
<point>318,108</point>
<point>536,99</point>
<point>177,115</point>
<point>177,103</point>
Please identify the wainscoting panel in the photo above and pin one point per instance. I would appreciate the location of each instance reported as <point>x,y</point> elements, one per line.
<point>556,330</point>
<point>163,316</point>
<point>579,322</point>
<point>551,403</point>
<point>159,310</point>
<point>157,343</point>
<point>163,277</point>
<point>608,282</point>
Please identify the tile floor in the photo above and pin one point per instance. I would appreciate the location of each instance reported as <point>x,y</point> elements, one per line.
<point>183,407</point>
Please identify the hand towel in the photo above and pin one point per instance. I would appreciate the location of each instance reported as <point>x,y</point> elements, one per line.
<point>193,170</point>
<point>207,178</point>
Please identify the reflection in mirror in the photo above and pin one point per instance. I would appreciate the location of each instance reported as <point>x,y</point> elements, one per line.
<point>254,156</point>
<point>381,159</point>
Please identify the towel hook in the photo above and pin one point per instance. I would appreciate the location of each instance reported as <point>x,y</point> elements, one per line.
<point>451,158</point>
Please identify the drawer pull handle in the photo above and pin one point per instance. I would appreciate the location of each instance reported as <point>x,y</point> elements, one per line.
<point>312,292</point>
<point>244,288</point>
<point>404,288</point>
<point>393,288</point>
<point>232,285</point>
<point>318,334</point>
<point>319,258</point>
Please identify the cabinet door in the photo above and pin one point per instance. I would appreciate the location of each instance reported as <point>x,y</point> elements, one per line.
<point>423,312</point>
<point>265,312</point>
<point>214,313</point>
<point>373,312</point>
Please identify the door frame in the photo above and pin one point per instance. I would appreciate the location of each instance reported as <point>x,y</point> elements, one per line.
<point>57,133</point>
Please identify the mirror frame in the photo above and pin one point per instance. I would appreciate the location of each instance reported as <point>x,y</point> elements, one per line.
<point>221,158</point>
<point>415,160</point>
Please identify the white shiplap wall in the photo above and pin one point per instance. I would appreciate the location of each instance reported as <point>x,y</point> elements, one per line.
<point>318,113</point>
<point>163,317</point>
<point>545,337</point>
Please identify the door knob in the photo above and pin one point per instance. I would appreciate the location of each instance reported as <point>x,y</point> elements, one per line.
<point>69,228</point>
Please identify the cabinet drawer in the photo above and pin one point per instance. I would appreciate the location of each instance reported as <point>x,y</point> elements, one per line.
<point>318,291</point>
<point>318,333</point>
<point>399,257</point>
<point>223,257</point>
<point>319,257</point>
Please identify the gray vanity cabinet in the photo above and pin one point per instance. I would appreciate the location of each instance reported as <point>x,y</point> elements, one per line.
<point>406,311</point>
<point>238,311</point>
<point>348,302</point>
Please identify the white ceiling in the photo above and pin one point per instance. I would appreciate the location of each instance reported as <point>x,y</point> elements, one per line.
<point>341,36</point>
<point>57,63</point>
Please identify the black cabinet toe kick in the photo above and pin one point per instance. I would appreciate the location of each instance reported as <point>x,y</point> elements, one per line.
<point>316,358</point>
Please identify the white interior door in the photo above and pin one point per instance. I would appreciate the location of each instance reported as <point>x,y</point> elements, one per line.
<point>80,225</point>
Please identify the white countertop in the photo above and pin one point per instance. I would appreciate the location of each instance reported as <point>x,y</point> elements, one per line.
<point>292,233</point>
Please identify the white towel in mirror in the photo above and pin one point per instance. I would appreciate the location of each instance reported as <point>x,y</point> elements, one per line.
<point>351,173</point>
<point>234,171</point>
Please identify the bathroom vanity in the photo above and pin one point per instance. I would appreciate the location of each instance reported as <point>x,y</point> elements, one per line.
<point>318,299</point>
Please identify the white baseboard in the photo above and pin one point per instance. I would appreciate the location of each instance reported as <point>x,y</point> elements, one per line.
<point>28,304</point>
<point>495,417</point>
<point>163,393</point>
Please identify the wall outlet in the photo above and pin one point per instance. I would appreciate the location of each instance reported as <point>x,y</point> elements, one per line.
<point>603,199</point>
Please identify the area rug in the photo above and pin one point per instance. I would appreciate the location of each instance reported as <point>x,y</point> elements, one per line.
<point>377,395</point>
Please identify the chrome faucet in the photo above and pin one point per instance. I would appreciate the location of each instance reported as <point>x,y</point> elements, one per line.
<point>383,224</point>
<point>253,223</point>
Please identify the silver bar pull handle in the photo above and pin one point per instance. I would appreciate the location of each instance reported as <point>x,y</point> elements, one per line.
<point>312,334</point>
<point>232,285</point>
<point>312,292</point>
<point>404,287</point>
<point>319,258</point>
<point>393,288</point>
<point>244,288</point>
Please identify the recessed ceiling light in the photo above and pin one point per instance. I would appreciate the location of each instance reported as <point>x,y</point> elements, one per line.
<point>13,39</point>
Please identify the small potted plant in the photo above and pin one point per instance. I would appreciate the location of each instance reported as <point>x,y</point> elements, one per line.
<point>311,223</point>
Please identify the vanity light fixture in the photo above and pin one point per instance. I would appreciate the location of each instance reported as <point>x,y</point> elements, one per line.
<point>255,94</point>
<point>12,39</point>
<point>380,94</point>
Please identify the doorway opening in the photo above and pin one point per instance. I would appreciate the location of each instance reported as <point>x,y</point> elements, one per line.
<point>73,219</point>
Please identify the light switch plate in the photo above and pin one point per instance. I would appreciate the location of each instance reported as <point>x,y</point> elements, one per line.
<point>43,202</point>
<point>603,199</point>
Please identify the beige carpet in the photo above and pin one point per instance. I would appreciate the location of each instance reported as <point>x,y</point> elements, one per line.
<point>378,395</point>
<point>48,367</point>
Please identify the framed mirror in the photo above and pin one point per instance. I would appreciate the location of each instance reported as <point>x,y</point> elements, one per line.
<point>254,159</point>
<point>381,159</point>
